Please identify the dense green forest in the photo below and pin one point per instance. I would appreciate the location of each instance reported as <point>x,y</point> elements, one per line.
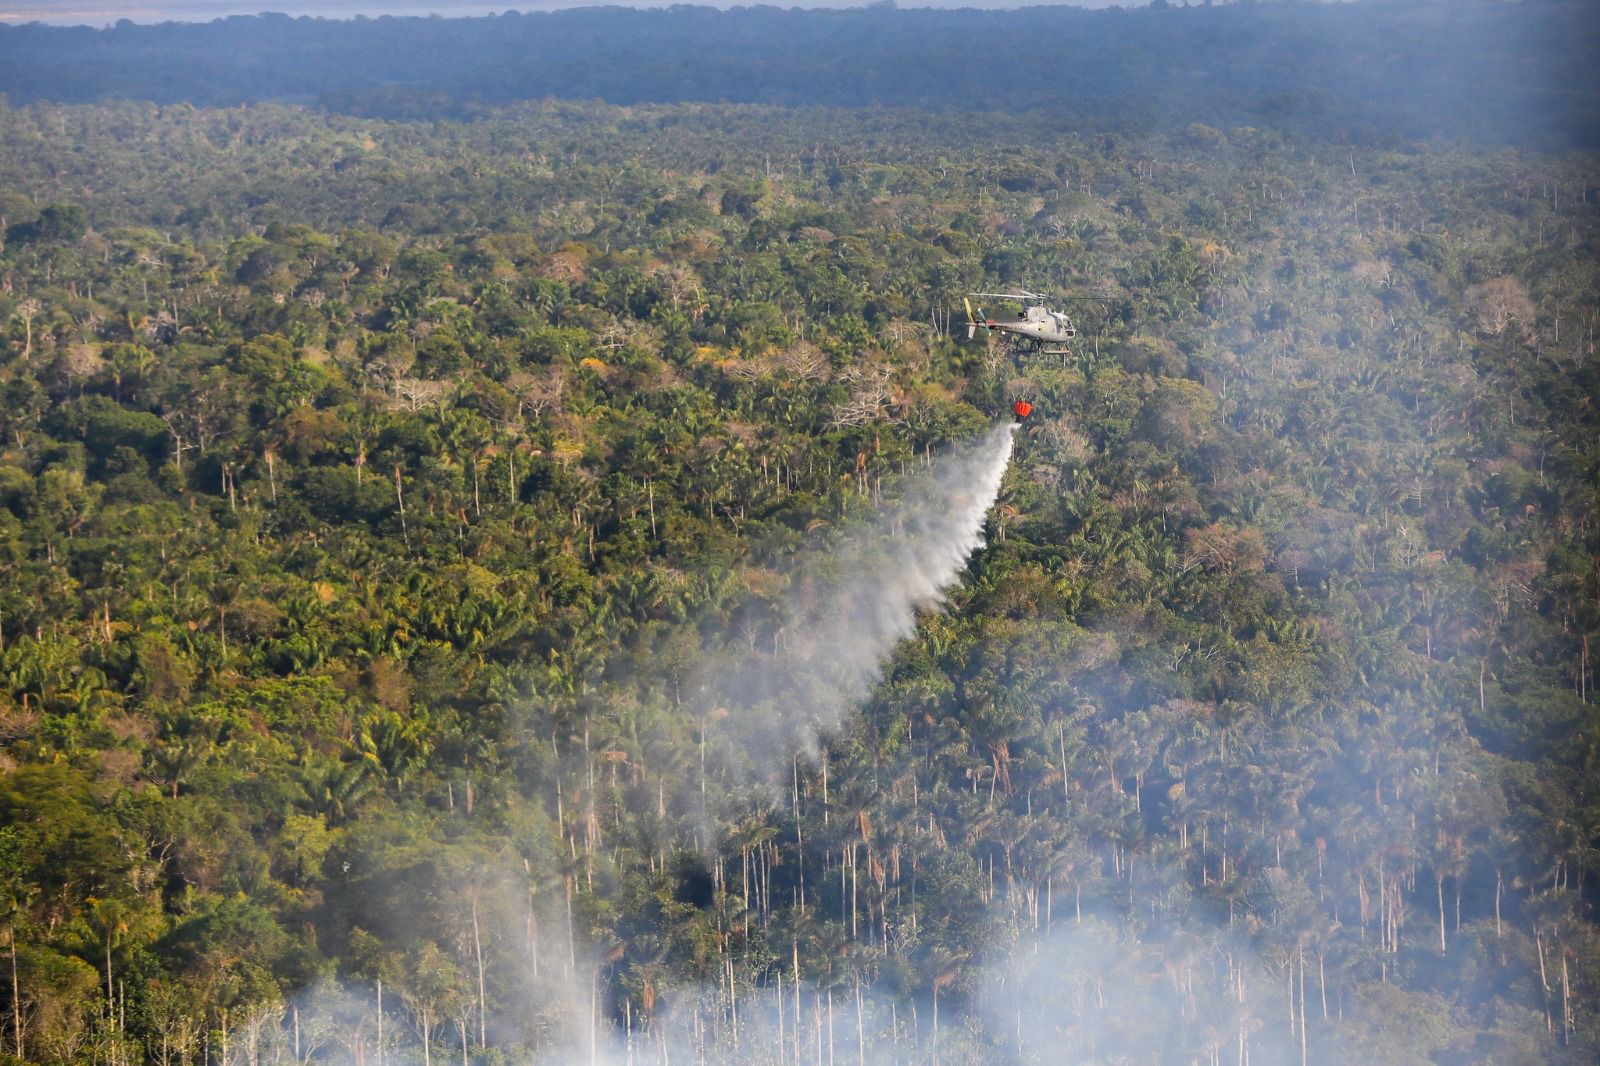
<point>380,497</point>
<point>1370,71</point>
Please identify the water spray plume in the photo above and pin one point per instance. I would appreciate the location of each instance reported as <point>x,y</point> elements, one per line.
<point>844,612</point>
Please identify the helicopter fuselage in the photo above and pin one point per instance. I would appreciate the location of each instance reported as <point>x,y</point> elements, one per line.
<point>1038,324</point>
<point>1035,322</point>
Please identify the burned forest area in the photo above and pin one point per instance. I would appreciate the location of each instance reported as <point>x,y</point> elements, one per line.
<point>513,557</point>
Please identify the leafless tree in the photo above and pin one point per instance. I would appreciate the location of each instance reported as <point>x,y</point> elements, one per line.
<point>417,393</point>
<point>805,362</point>
<point>871,395</point>
<point>197,416</point>
<point>748,370</point>
<point>28,310</point>
<point>680,283</point>
<point>538,393</point>
<point>1497,303</point>
<point>79,364</point>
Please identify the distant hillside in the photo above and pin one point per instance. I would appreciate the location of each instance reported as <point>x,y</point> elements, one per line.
<point>1367,72</point>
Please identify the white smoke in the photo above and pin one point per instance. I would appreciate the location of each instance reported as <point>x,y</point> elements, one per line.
<point>821,647</point>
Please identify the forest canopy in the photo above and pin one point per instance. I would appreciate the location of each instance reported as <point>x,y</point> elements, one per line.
<point>378,492</point>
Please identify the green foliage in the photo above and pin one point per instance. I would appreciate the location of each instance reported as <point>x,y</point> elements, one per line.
<point>372,493</point>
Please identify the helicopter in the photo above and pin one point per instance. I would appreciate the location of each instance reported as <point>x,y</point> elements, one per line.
<point>1048,331</point>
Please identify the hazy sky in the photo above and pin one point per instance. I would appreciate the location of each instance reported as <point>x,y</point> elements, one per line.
<point>104,12</point>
